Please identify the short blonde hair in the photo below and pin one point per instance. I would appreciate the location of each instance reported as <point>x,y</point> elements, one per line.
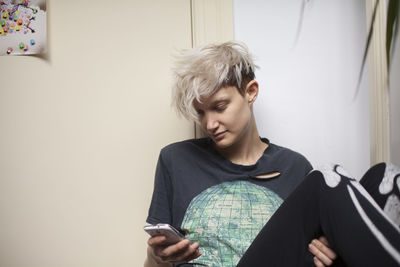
<point>202,71</point>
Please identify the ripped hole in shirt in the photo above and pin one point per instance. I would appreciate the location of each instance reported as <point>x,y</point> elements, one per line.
<point>267,175</point>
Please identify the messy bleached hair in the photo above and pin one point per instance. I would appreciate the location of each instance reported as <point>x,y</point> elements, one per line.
<point>202,71</point>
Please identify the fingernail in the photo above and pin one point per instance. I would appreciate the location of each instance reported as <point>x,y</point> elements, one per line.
<point>315,242</point>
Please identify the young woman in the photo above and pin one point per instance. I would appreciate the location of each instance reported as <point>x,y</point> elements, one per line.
<point>223,189</point>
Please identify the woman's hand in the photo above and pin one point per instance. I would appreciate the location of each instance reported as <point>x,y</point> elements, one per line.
<point>183,251</point>
<point>324,255</point>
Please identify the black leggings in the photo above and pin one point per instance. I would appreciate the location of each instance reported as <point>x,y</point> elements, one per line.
<point>331,204</point>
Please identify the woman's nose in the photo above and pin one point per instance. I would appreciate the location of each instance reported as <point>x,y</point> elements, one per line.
<point>212,123</point>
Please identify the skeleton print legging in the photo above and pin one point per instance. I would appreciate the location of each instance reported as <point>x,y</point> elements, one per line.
<point>360,221</point>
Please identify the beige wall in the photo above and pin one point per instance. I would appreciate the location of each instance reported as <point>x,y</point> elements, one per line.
<point>80,131</point>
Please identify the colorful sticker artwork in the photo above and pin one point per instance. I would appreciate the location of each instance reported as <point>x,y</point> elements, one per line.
<point>22,27</point>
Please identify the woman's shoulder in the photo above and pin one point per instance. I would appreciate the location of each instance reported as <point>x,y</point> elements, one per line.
<point>186,146</point>
<point>284,154</point>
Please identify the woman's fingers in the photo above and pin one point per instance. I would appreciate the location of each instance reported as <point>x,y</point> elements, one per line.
<point>323,253</point>
<point>182,251</point>
<point>325,248</point>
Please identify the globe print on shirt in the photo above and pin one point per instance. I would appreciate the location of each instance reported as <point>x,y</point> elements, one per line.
<point>226,218</point>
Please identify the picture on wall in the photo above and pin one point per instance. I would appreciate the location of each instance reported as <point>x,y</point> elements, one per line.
<point>22,27</point>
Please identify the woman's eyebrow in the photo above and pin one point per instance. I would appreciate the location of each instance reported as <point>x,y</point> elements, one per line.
<point>219,100</point>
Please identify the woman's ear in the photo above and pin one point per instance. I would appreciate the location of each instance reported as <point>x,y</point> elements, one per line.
<point>251,91</point>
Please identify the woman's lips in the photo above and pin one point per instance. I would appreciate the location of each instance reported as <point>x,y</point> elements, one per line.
<point>219,135</point>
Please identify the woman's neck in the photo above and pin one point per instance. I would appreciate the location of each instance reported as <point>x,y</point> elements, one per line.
<point>248,150</point>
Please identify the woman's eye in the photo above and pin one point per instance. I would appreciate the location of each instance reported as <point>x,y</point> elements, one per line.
<point>220,107</point>
<point>200,112</point>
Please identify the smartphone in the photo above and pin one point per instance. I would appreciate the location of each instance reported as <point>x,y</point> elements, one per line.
<point>172,235</point>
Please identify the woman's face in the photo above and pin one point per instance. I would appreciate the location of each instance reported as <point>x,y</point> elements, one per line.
<point>226,116</point>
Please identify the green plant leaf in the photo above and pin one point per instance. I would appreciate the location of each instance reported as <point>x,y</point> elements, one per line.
<point>300,22</point>
<point>367,44</point>
<point>392,27</point>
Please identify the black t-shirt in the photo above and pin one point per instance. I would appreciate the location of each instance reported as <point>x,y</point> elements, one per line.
<point>220,204</point>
